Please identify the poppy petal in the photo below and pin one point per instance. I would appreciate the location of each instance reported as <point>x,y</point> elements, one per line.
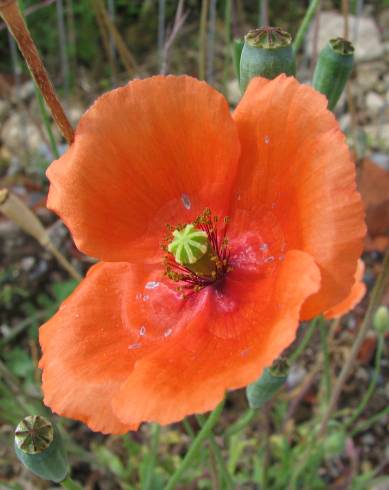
<point>238,329</point>
<point>118,314</point>
<point>357,292</point>
<point>155,152</point>
<point>296,163</point>
<point>80,343</point>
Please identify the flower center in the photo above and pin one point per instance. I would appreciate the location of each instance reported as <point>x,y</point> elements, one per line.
<point>197,253</point>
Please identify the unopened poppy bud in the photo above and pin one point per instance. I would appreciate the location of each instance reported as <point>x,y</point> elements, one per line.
<point>333,69</point>
<point>189,245</point>
<point>39,448</point>
<point>267,52</point>
<point>262,390</point>
<point>381,320</point>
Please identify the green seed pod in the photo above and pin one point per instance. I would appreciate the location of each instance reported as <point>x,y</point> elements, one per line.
<point>188,245</point>
<point>237,47</point>
<point>333,69</point>
<point>381,320</point>
<point>39,448</point>
<point>267,52</point>
<point>262,390</point>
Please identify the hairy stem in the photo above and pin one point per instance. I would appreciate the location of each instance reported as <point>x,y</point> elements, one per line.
<point>10,12</point>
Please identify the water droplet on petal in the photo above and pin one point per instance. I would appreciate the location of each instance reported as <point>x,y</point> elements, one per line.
<point>135,345</point>
<point>186,201</point>
<point>139,296</point>
<point>238,197</point>
<point>267,139</point>
<point>264,247</point>
<point>281,257</point>
<point>152,284</point>
<point>146,297</point>
<point>76,315</point>
<point>168,332</point>
<point>142,331</point>
<point>269,259</point>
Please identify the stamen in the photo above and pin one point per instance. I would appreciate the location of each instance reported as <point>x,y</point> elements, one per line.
<point>197,253</point>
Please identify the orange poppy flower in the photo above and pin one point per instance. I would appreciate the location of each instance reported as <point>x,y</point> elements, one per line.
<point>144,338</point>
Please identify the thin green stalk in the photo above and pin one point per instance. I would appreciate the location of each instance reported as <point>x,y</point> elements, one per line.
<point>70,484</point>
<point>326,361</point>
<point>227,41</point>
<point>370,421</point>
<point>201,436</point>
<point>241,423</point>
<point>375,299</point>
<point>218,456</point>
<point>304,341</point>
<point>373,382</point>
<point>188,428</point>
<point>309,14</point>
<point>203,39</point>
<point>155,431</point>
<point>46,122</point>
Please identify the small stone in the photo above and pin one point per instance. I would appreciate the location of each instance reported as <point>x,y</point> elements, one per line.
<point>374,102</point>
<point>25,91</point>
<point>233,92</point>
<point>18,133</point>
<point>4,110</point>
<point>296,375</point>
<point>381,159</point>
<point>368,73</point>
<point>27,263</point>
<point>378,135</point>
<point>345,121</point>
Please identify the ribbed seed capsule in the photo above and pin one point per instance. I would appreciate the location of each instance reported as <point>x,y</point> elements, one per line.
<point>333,69</point>
<point>189,245</point>
<point>262,390</point>
<point>267,52</point>
<point>39,448</point>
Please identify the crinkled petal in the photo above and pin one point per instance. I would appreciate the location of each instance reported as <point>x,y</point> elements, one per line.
<point>155,152</point>
<point>85,349</point>
<point>239,328</point>
<point>356,294</point>
<point>295,163</point>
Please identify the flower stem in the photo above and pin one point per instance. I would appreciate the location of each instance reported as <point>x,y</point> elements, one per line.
<point>203,39</point>
<point>373,382</point>
<point>311,329</point>
<point>69,484</point>
<point>309,14</point>
<point>188,428</point>
<point>370,421</point>
<point>227,42</point>
<point>46,122</point>
<point>326,363</point>
<point>375,299</point>
<point>215,450</point>
<point>202,435</point>
<point>155,430</point>
<point>10,12</point>
<point>241,423</point>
